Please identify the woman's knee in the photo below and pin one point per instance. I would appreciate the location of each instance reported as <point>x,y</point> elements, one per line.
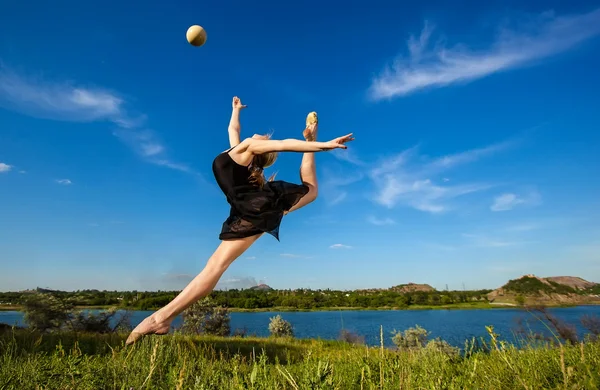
<point>313,192</point>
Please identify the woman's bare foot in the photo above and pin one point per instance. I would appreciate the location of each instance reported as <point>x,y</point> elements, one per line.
<point>312,122</point>
<point>150,325</point>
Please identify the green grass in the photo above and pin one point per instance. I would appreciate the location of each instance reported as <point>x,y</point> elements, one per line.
<point>69,361</point>
<point>10,308</point>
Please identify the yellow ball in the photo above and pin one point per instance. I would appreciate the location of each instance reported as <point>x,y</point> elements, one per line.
<point>196,35</point>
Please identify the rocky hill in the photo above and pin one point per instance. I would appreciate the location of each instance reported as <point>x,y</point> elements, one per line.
<point>261,287</point>
<point>572,281</point>
<point>412,287</point>
<point>556,290</point>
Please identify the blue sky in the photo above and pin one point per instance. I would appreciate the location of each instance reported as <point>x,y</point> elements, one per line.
<point>475,161</point>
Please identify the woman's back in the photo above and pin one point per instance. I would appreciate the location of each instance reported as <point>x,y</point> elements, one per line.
<point>254,209</point>
<point>229,174</point>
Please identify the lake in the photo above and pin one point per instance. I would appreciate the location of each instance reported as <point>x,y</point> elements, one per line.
<point>454,326</point>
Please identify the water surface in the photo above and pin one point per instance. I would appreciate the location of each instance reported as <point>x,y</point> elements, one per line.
<point>454,326</point>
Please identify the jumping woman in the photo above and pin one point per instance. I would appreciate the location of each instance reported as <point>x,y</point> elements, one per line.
<point>257,206</point>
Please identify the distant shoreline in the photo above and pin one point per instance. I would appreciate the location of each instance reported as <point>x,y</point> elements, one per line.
<point>455,306</point>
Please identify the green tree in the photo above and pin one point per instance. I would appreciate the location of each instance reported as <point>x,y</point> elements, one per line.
<point>46,312</point>
<point>401,301</point>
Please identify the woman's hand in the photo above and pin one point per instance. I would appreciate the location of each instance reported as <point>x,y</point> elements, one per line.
<point>236,104</point>
<point>339,143</point>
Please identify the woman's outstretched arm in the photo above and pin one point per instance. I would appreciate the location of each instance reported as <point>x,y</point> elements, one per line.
<point>234,122</point>
<point>258,146</point>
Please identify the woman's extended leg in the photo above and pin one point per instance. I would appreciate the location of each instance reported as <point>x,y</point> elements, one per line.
<point>308,172</point>
<point>201,286</point>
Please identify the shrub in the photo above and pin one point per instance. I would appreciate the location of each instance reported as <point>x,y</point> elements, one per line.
<point>351,338</point>
<point>204,317</point>
<point>592,325</point>
<point>243,332</point>
<point>442,346</point>
<point>101,322</point>
<point>564,331</point>
<point>411,338</point>
<point>279,327</point>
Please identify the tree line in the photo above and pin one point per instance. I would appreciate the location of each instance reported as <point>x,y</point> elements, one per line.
<point>250,299</point>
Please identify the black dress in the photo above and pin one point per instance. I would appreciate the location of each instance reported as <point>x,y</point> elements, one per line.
<point>254,210</point>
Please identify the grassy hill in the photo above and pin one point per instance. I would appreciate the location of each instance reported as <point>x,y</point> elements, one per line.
<point>556,290</point>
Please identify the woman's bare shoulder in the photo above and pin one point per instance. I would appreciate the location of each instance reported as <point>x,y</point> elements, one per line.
<point>240,153</point>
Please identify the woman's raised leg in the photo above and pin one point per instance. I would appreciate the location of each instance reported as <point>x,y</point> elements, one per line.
<point>199,287</point>
<point>308,172</point>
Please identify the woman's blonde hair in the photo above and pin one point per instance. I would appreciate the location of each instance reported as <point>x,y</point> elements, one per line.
<point>259,163</point>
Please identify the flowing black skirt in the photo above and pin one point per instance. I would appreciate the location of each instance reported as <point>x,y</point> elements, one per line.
<point>260,210</point>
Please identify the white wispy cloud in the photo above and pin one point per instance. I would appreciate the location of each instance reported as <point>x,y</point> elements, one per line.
<point>321,219</point>
<point>411,180</point>
<point>175,166</point>
<point>585,252</point>
<point>516,269</point>
<point>294,256</point>
<point>468,156</point>
<point>237,283</point>
<point>423,195</point>
<point>434,66</point>
<point>481,240</point>
<point>380,221</point>
<point>151,149</point>
<point>66,101</point>
<point>5,167</point>
<point>524,227</point>
<point>439,247</point>
<point>178,278</point>
<point>148,146</point>
<point>59,101</point>
<point>64,182</point>
<point>508,201</point>
<point>333,185</point>
<point>340,246</point>
<point>250,257</point>
<point>347,155</point>
<point>338,198</point>
<point>550,222</point>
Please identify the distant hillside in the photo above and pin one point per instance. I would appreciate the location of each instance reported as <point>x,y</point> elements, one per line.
<point>412,287</point>
<point>41,290</point>
<point>261,287</point>
<point>572,281</point>
<point>531,289</point>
